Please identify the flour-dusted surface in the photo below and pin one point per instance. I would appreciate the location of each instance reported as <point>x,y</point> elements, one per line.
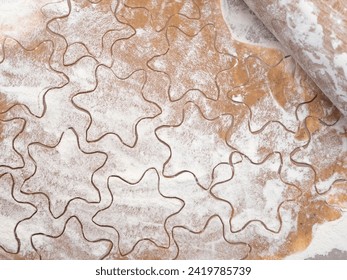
<point>314,32</point>
<point>327,237</point>
<point>245,25</point>
<point>133,132</point>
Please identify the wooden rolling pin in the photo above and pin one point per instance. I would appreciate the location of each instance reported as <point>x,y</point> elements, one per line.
<point>314,32</point>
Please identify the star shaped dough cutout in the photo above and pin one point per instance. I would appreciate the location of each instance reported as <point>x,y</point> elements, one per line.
<point>26,75</point>
<point>197,144</point>
<point>63,173</point>
<point>138,211</point>
<point>70,244</point>
<point>116,105</point>
<point>90,23</point>
<point>192,63</point>
<point>144,44</point>
<point>256,192</point>
<point>162,10</point>
<point>11,213</point>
